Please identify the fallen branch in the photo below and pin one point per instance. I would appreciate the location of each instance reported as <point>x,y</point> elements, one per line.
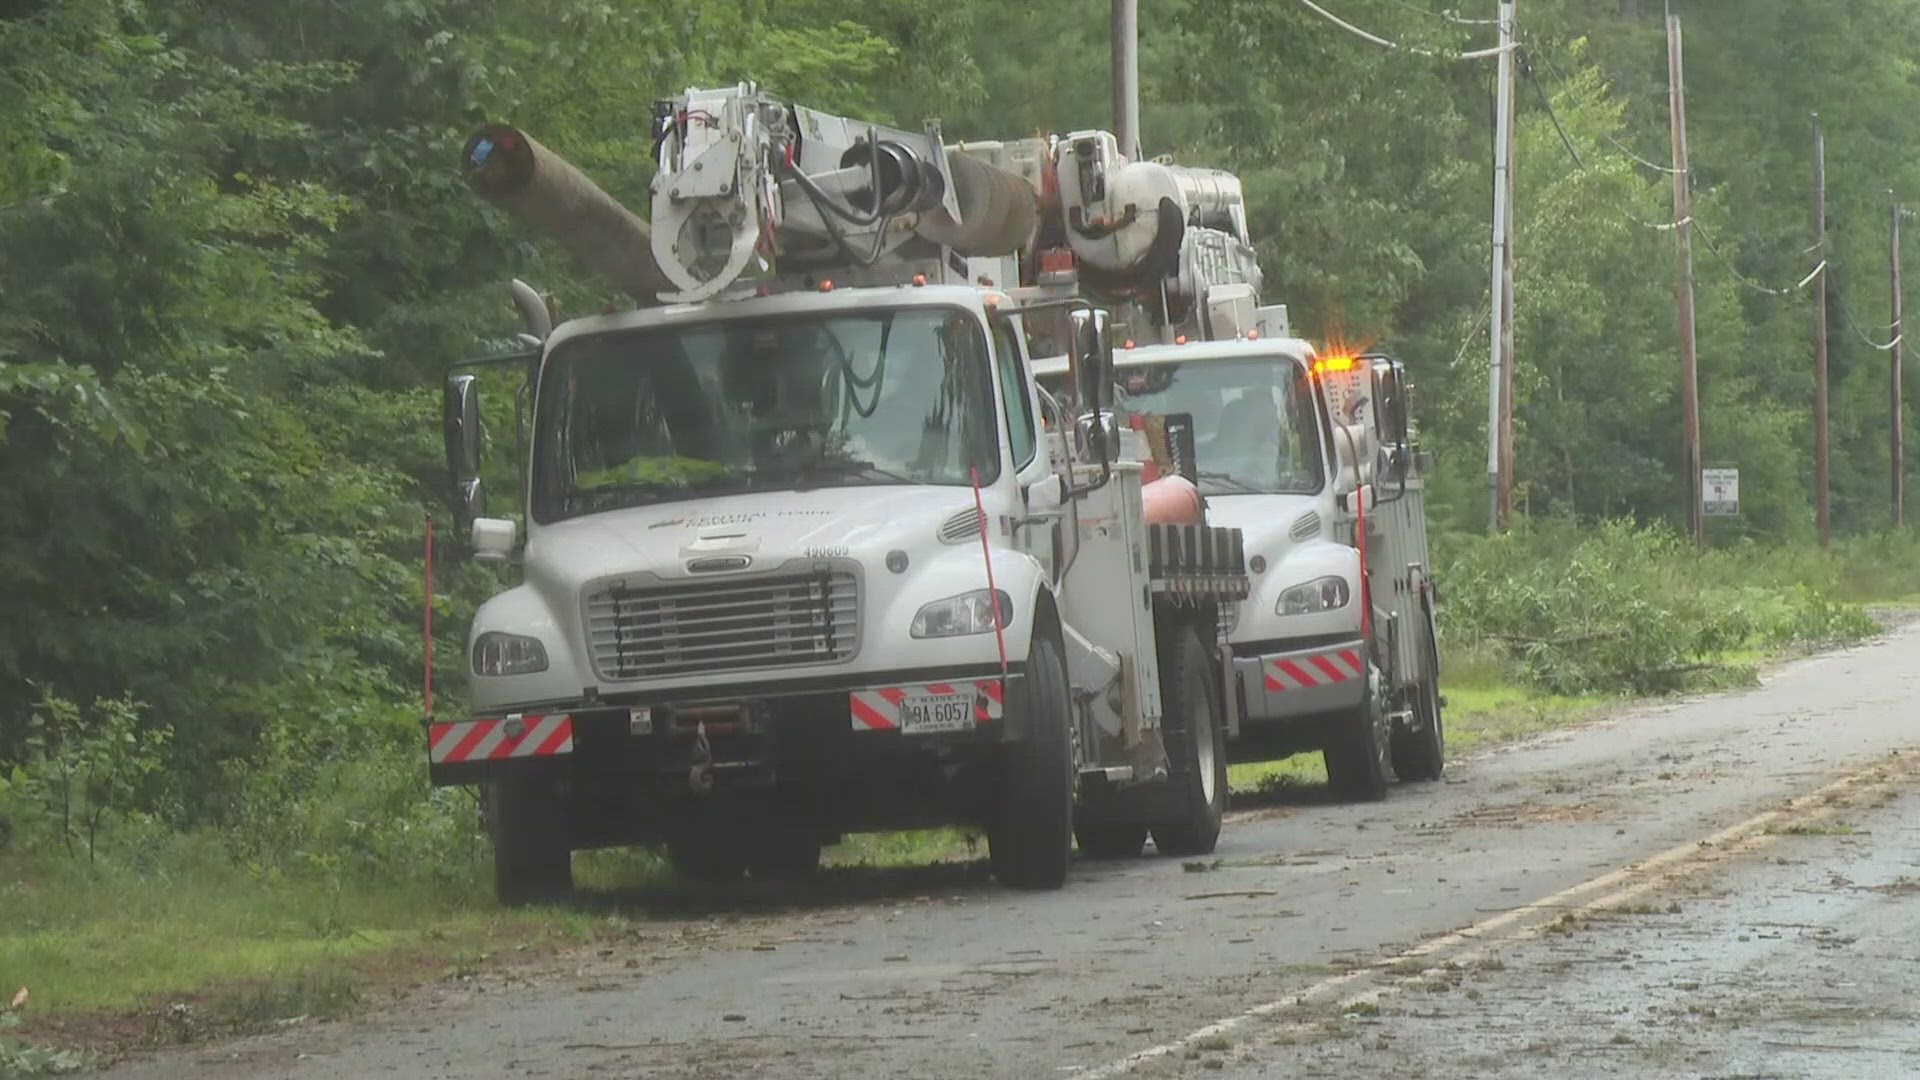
<point>1578,639</point>
<point>1232,892</point>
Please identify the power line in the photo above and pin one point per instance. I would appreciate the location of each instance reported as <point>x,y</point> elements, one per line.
<point>1604,133</point>
<point>1526,68</point>
<point>1846,314</point>
<point>1449,15</point>
<point>1707,239</point>
<point>1660,226</point>
<point>1478,54</point>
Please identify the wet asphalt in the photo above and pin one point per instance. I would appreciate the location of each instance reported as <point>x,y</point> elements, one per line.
<point>1797,958</point>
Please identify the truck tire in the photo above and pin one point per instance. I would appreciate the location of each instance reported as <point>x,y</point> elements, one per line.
<point>1031,840</point>
<point>1111,841</point>
<point>1357,750</point>
<point>1196,750</point>
<point>1422,755</point>
<point>532,856</point>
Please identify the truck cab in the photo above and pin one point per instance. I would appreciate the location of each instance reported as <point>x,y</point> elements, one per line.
<point>800,565</point>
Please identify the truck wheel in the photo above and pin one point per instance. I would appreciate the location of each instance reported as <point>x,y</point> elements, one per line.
<point>1196,747</point>
<point>1356,751</point>
<point>1422,755</point>
<point>532,859</point>
<point>1032,840</point>
<point>1110,841</point>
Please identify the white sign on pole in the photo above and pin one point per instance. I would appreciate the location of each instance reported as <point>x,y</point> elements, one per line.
<point>1720,490</point>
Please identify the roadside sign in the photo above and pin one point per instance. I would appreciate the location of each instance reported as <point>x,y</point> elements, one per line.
<point>1720,490</point>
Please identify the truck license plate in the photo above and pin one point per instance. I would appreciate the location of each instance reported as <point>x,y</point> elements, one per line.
<point>926,713</point>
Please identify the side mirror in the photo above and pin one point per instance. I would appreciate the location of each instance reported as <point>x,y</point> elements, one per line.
<point>461,421</point>
<point>1091,352</point>
<point>1397,462</point>
<point>1100,433</point>
<point>1048,493</point>
<point>493,539</point>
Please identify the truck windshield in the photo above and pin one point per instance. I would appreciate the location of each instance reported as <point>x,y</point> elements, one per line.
<point>628,418</point>
<point>1255,430</point>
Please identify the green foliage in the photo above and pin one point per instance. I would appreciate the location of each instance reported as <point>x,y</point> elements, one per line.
<point>18,1059</point>
<point>84,772</point>
<point>654,471</point>
<point>1628,609</point>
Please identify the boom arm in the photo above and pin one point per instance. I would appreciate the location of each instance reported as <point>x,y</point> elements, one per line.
<point>750,190</point>
<point>744,177</point>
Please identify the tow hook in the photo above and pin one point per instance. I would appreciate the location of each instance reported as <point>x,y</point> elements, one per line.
<point>700,777</point>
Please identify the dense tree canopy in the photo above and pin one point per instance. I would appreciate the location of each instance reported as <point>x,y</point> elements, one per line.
<point>235,253</point>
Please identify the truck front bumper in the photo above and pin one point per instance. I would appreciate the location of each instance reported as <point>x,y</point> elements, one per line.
<point>743,735</point>
<point>1295,684</point>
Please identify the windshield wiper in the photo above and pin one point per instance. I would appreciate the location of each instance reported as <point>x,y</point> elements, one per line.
<point>631,493</point>
<point>833,467</point>
<point>1243,487</point>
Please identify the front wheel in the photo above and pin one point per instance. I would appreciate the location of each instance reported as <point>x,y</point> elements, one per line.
<point>532,854</point>
<point>1031,839</point>
<point>1422,754</point>
<point>1357,750</point>
<point>1196,747</point>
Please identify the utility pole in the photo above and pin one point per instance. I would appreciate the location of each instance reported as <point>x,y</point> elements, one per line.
<point>1506,332</point>
<point>1126,76</point>
<point>1683,283</point>
<point>1499,481</point>
<point>1899,329</point>
<point>1820,334</point>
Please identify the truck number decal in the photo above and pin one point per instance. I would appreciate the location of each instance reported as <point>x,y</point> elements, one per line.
<point>829,551</point>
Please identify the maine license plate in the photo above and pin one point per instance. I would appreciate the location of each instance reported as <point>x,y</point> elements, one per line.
<point>926,713</point>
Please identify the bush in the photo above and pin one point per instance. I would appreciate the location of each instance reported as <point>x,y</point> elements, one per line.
<point>1620,608</point>
<point>86,774</point>
<point>353,802</point>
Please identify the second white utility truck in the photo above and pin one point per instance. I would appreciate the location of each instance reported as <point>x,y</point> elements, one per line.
<point>1312,457</point>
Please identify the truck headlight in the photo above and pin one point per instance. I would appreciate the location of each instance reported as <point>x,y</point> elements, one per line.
<point>495,653</point>
<point>1320,594</point>
<point>968,613</point>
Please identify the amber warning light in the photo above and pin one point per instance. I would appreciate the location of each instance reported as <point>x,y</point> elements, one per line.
<point>1333,364</point>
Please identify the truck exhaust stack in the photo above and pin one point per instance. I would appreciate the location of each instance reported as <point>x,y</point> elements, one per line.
<point>512,171</point>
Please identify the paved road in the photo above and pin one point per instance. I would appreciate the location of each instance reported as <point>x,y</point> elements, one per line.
<point>1722,887</point>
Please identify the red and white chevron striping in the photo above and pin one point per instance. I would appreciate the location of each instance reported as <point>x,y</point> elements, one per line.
<point>512,736</point>
<point>1306,672</point>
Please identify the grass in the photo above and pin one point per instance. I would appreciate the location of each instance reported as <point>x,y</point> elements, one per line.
<point>84,938</point>
<point>1485,707</point>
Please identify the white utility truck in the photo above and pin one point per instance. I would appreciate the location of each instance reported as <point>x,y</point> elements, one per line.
<point>1311,457</point>
<point>806,551</point>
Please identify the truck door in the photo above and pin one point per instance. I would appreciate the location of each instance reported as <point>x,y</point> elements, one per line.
<point>1031,465</point>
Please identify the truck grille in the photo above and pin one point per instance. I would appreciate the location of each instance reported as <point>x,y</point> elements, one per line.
<point>660,630</point>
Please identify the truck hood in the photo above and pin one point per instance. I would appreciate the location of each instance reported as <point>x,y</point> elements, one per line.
<point>768,528</point>
<point>1293,534</point>
<point>1266,519</point>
